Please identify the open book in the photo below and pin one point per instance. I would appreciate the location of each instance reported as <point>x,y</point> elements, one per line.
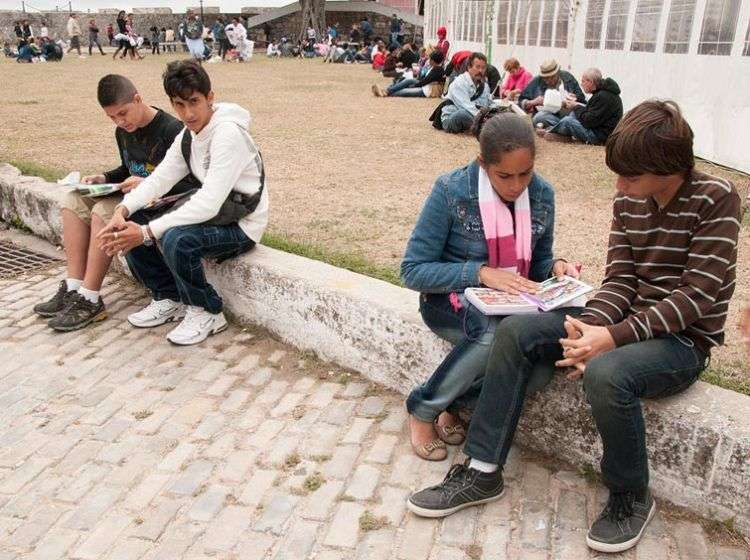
<point>553,293</point>
<point>94,191</point>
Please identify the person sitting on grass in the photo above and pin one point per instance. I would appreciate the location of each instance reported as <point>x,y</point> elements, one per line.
<point>429,86</point>
<point>647,333</point>
<point>551,77</point>
<point>391,62</point>
<point>490,223</point>
<point>223,218</point>
<point>516,81</point>
<point>143,135</point>
<point>466,95</point>
<point>594,122</point>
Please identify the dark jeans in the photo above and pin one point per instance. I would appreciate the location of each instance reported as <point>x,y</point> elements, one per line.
<point>405,88</point>
<point>571,126</point>
<point>457,381</point>
<point>93,42</point>
<point>614,384</point>
<point>176,271</point>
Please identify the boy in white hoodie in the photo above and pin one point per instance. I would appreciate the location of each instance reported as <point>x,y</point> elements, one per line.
<point>222,219</point>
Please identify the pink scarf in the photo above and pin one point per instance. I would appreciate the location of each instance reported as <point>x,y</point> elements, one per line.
<point>507,250</point>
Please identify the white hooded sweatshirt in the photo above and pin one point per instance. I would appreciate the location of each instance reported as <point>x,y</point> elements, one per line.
<point>224,158</point>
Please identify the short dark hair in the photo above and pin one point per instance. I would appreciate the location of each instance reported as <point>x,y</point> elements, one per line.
<point>114,89</point>
<point>182,78</point>
<point>500,131</point>
<point>474,56</point>
<point>437,57</point>
<point>653,137</point>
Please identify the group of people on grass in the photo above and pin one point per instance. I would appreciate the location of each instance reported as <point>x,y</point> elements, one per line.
<point>199,192</point>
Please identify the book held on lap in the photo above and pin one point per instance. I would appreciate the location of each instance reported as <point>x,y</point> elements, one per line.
<point>93,191</point>
<point>553,293</point>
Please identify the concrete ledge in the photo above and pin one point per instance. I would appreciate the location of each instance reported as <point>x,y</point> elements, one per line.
<point>699,441</point>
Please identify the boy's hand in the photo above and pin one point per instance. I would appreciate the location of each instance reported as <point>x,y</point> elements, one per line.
<point>93,179</point>
<point>130,183</point>
<point>563,268</point>
<point>122,240</point>
<point>591,342</point>
<point>745,327</point>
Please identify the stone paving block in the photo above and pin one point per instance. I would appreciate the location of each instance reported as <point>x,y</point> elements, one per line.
<point>650,548</point>
<point>536,483</point>
<point>691,542</point>
<point>571,511</point>
<point>247,364</point>
<point>341,463</point>
<point>221,447</point>
<point>237,465</point>
<point>322,442</point>
<point>354,390</point>
<point>392,504</point>
<point>211,423</point>
<point>536,525</point>
<point>35,526</point>
<point>727,553</point>
<point>458,529</point>
<point>287,404</point>
<point>54,545</point>
<point>323,395</point>
<point>318,504</point>
<point>101,539</point>
<point>113,429</point>
<point>147,490</point>
<point>341,414</point>
<point>210,371</point>
<point>344,529</point>
<point>257,486</point>
<point>394,422</point>
<point>208,504</point>
<point>571,544</point>
<point>254,546</point>
<point>405,468</point>
<point>24,474</point>
<point>24,503</point>
<point>93,507</point>
<point>376,545</point>
<point>156,520</point>
<point>85,479</point>
<point>227,528</point>
<point>372,407</point>
<point>272,393</point>
<point>129,549</point>
<point>16,455</point>
<point>298,542</point>
<point>276,513</point>
<point>193,411</point>
<point>283,447</point>
<point>265,433</point>
<point>259,377</point>
<point>363,482</point>
<point>357,431</point>
<point>235,400</point>
<point>303,385</point>
<point>192,478</point>
<point>496,541</point>
<point>382,449</point>
<point>177,457</point>
<point>415,543</point>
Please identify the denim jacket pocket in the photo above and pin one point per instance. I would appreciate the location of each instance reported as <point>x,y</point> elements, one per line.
<point>539,224</point>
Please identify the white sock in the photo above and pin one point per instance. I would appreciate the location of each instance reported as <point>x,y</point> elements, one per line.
<point>481,466</point>
<point>90,295</point>
<point>73,284</point>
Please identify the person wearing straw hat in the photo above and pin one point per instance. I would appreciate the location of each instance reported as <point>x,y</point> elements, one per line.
<point>564,94</point>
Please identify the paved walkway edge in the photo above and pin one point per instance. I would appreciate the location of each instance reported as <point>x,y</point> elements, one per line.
<point>699,441</point>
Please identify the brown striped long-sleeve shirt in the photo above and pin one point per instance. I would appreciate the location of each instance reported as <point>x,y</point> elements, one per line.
<point>671,270</point>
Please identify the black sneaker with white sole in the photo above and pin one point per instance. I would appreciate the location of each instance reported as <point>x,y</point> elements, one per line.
<point>461,488</point>
<point>78,313</point>
<point>622,523</point>
<point>56,303</point>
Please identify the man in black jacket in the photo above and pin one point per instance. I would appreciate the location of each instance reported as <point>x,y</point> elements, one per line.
<point>594,122</point>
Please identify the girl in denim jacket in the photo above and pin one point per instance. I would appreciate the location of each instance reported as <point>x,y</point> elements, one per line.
<point>490,223</point>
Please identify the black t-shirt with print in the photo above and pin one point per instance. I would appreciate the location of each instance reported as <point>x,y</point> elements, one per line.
<point>143,149</point>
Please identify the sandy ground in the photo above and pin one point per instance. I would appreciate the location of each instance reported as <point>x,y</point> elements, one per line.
<point>346,170</point>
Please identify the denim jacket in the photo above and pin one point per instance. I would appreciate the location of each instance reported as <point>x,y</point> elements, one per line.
<point>447,247</point>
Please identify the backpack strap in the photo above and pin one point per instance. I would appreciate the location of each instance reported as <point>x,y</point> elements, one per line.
<point>187,141</point>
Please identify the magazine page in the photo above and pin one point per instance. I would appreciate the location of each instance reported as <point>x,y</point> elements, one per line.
<point>496,302</point>
<point>554,293</point>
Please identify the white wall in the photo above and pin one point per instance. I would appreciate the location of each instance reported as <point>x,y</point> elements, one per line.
<point>713,91</point>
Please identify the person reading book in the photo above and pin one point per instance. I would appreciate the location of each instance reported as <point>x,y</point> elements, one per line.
<point>143,133</point>
<point>489,223</point>
<point>221,219</point>
<point>647,333</point>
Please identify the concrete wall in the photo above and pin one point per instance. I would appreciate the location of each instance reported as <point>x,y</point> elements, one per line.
<point>698,442</point>
<point>690,79</point>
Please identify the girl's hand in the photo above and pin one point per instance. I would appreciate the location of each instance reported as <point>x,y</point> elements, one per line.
<point>562,268</point>
<point>506,281</point>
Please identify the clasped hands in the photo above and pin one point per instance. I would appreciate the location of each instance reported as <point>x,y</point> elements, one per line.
<point>582,343</point>
<point>119,235</point>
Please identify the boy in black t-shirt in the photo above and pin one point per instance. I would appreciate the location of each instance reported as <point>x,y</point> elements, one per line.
<point>143,135</point>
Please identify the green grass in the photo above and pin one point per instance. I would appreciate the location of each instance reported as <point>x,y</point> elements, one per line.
<point>34,169</point>
<point>349,261</point>
<point>727,378</point>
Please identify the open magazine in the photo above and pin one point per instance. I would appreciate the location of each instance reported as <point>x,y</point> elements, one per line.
<point>553,293</point>
<point>93,191</point>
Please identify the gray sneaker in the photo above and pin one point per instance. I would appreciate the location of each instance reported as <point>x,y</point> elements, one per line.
<point>462,487</point>
<point>620,526</point>
<point>78,313</point>
<point>56,303</point>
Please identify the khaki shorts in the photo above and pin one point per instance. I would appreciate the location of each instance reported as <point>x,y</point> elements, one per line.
<point>83,206</point>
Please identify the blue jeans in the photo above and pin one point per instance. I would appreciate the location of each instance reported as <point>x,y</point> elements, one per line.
<point>405,88</point>
<point>614,383</point>
<point>571,126</point>
<point>458,379</point>
<point>458,121</point>
<point>176,271</point>
<point>545,118</point>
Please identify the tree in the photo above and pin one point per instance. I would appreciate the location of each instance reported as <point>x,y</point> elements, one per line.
<point>313,15</point>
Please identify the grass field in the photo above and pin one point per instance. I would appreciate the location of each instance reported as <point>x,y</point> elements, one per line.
<point>347,172</point>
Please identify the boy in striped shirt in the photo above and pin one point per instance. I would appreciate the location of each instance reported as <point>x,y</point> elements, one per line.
<point>647,333</point>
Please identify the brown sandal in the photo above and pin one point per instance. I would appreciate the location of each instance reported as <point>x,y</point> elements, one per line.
<point>431,451</point>
<point>452,435</point>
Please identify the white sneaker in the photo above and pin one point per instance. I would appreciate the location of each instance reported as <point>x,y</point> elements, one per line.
<point>197,325</point>
<point>157,313</point>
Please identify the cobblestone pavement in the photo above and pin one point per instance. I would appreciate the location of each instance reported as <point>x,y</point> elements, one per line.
<point>115,445</point>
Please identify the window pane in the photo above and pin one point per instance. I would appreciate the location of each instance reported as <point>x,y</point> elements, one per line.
<point>561,27</point>
<point>548,20</point>
<point>481,19</point>
<point>534,17</point>
<point>719,25</point>
<point>502,22</point>
<point>746,51</point>
<point>523,15</point>
<point>617,21</point>
<point>594,16</point>
<point>646,25</point>
<point>679,25</point>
